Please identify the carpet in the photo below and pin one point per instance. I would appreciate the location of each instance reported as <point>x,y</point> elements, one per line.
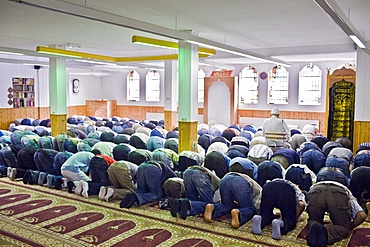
<point>33,215</point>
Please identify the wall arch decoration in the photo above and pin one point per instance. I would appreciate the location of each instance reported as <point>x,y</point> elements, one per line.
<point>341,103</point>
<point>228,92</point>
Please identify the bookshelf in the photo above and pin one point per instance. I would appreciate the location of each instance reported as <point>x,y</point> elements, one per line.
<point>23,92</point>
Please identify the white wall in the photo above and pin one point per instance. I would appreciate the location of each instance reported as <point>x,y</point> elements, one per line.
<point>293,87</point>
<point>90,88</point>
<point>10,70</point>
<point>113,87</point>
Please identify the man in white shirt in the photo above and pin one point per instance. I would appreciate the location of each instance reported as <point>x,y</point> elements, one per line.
<point>275,124</point>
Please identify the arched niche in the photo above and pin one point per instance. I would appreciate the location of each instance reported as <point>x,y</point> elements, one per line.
<point>340,103</point>
<point>226,89</point>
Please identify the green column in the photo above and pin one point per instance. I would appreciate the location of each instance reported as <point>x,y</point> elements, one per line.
<point>170,94</point>
<point>58,95</point>
<point>188,96</point>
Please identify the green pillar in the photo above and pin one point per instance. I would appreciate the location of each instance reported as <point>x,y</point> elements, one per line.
<point>188,96</point>
<point>170,94</point>
<point>58,95</point>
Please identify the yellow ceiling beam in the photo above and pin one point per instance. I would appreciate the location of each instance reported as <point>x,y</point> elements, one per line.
<point>167,44</point>
<point>151,58</point>
<point>76,54</point>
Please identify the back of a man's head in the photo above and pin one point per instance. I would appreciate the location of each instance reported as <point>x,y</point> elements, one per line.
<point>275,111</point>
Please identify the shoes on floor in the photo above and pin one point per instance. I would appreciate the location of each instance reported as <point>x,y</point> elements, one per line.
<point>317,236</point>
<point>209,212</point>
<point>108,196</point>
<point>184,208</point>
<point>277,224</point>
<point>175,208</point>
<point>102,193</point>
<point>235,222</point>
<point>256,224</point>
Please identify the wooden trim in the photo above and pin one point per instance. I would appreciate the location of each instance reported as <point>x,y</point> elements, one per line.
<point>320,116</point>
<point>230,83</point>
<point>361,133</point>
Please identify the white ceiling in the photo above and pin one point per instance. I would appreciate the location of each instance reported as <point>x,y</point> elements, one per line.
<point>288,30</point>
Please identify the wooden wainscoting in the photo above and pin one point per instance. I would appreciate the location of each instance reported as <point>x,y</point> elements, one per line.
<point>361,133</point>
<point>320,116</point>
<point>137,112</point>
<point>79,110</point>
<point>8,115</point>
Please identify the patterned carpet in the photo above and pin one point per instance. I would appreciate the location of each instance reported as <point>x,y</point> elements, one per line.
<point>33,215</point>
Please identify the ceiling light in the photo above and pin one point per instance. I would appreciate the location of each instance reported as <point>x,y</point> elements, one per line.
<point>167,44</point>
<point>240,52</point>
<point>335,12</point>
<point>94,62</point>
<point>11,53</point>
<point>98,74</point>
<point>152,58</point>
<point>357,41</point>
<point>36,64</point>
<point>75,54</point>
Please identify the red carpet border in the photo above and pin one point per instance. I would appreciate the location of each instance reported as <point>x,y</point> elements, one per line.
<point>33,215</point>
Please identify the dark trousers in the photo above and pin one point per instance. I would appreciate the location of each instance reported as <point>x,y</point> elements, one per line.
<point>44,159</point>
<point>280,195</point>
<point>99,170</point>
<point>333,199</point>
<point>25,159</point>
<point>99,175</point>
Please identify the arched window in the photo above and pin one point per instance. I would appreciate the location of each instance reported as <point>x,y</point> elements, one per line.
<point>201,76</point>
<point>278,83</point>
<point>248,86</point>
<point>153,86</point>
<point>310,79</point>
<point>133,86</point>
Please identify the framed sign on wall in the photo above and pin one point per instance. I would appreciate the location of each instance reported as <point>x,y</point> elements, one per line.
<point>76,85</point>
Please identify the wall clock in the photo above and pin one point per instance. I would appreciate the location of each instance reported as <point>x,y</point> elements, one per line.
<point>76,85</point>
<point>263,75</point>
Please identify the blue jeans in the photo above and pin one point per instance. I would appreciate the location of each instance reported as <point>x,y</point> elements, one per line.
<point>44,159</point>
<point>332,174</point>
<point>149,183</point>
<point>198,189</point>
<point>59,159</point>
<point>338,163</point>
<point>235,188</point>
<point>9,157</point>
